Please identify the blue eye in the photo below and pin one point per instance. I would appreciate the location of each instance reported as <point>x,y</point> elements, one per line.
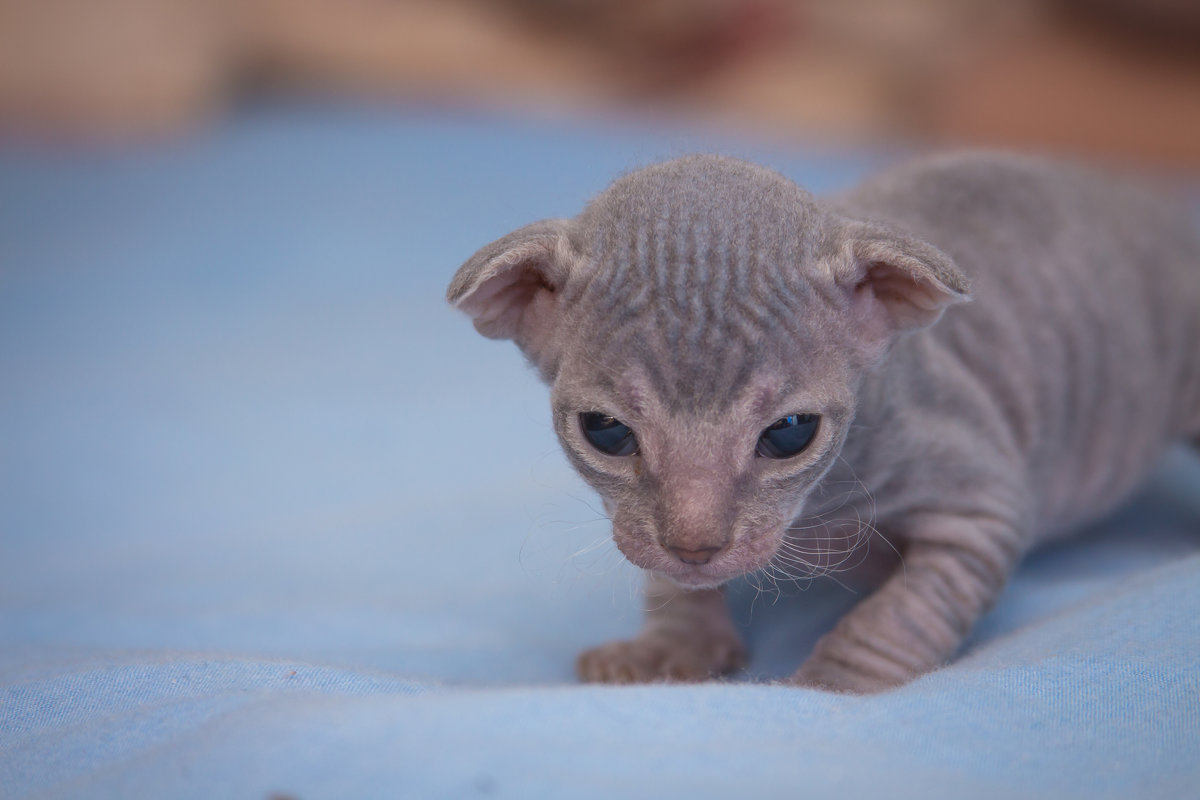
<point>788,437</point>
<point>608,434</point>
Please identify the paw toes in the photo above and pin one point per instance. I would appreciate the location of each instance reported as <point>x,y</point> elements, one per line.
<point>648,660</point>
<point>840,678</point>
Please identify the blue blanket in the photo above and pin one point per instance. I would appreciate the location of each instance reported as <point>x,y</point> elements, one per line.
<point>276,522</point>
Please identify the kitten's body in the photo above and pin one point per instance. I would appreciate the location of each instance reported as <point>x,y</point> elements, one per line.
<point>1078,359</point>
<point>698,301</point>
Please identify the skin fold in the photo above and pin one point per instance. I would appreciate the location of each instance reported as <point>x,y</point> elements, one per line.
<point>994,350</point>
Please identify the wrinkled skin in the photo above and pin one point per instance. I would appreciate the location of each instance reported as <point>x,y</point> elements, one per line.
<point>701,301</point>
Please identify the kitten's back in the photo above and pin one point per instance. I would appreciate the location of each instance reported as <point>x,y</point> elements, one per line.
<point>1085,319</point>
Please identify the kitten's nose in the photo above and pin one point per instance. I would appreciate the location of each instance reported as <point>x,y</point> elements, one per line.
<point>695,557</point>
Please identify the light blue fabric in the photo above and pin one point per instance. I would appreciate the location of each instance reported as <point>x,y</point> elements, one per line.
<point>275,520</point>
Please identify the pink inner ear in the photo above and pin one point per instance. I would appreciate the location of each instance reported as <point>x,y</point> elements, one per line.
<point>500,302</point>
<point>872,322</point>
<point>505,293</point>
<point>893,286</point>
<point>905,301</point>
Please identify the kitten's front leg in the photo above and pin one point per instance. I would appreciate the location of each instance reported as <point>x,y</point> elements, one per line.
<point>688,636</point>
<point>953,570</point>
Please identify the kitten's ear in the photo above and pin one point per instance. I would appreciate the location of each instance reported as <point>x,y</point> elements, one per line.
<point>895,282</point>
<point>508,286</point>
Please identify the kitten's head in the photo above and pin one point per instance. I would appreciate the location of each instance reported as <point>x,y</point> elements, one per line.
<point>704,325</point>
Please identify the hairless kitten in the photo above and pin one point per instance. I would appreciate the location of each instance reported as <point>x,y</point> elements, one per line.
<point>726,353</point>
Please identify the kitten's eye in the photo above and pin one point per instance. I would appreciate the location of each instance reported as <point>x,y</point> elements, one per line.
<point>788,436</point>
<point>608,434</point>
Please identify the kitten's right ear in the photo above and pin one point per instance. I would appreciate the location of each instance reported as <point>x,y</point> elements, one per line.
<point>509,286</point>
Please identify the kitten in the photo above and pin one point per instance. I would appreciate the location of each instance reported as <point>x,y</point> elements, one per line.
<point>727,353</point>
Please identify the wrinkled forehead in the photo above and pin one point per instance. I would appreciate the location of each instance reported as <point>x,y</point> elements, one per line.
<point>648,378</point>
<point>695,277</point>
<point>695,222</point>
<point>701,363</point>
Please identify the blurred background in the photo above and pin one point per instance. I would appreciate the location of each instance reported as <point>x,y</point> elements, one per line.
<point>1109,79</point>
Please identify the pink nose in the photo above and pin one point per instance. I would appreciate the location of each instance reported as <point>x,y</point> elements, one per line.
<point>695,557</point>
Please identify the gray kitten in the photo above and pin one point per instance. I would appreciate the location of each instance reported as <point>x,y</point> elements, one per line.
<point>727,354</point>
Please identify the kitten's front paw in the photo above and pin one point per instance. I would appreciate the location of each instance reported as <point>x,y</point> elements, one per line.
<point>833,676</point>
<point>650,658</point>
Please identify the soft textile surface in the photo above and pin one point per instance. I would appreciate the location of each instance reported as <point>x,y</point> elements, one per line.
<point>274,521</point>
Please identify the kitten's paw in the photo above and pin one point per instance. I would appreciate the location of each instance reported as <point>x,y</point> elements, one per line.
<point>650,658</point>
<point>832,676</point>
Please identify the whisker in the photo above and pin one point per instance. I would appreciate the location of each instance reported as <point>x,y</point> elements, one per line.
<point>596,544</point>
<point>823,545</point>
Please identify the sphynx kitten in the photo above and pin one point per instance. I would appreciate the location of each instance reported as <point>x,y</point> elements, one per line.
<point>727,353</point>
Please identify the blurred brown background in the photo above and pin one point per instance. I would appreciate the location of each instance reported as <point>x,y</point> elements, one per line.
<point>1112,79</point>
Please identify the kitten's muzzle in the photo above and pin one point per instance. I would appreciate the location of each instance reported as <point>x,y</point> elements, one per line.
<point>696,557</point>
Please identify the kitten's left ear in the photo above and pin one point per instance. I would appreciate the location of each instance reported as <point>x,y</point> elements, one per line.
<point>508,286</point>
<point>895,282</point>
